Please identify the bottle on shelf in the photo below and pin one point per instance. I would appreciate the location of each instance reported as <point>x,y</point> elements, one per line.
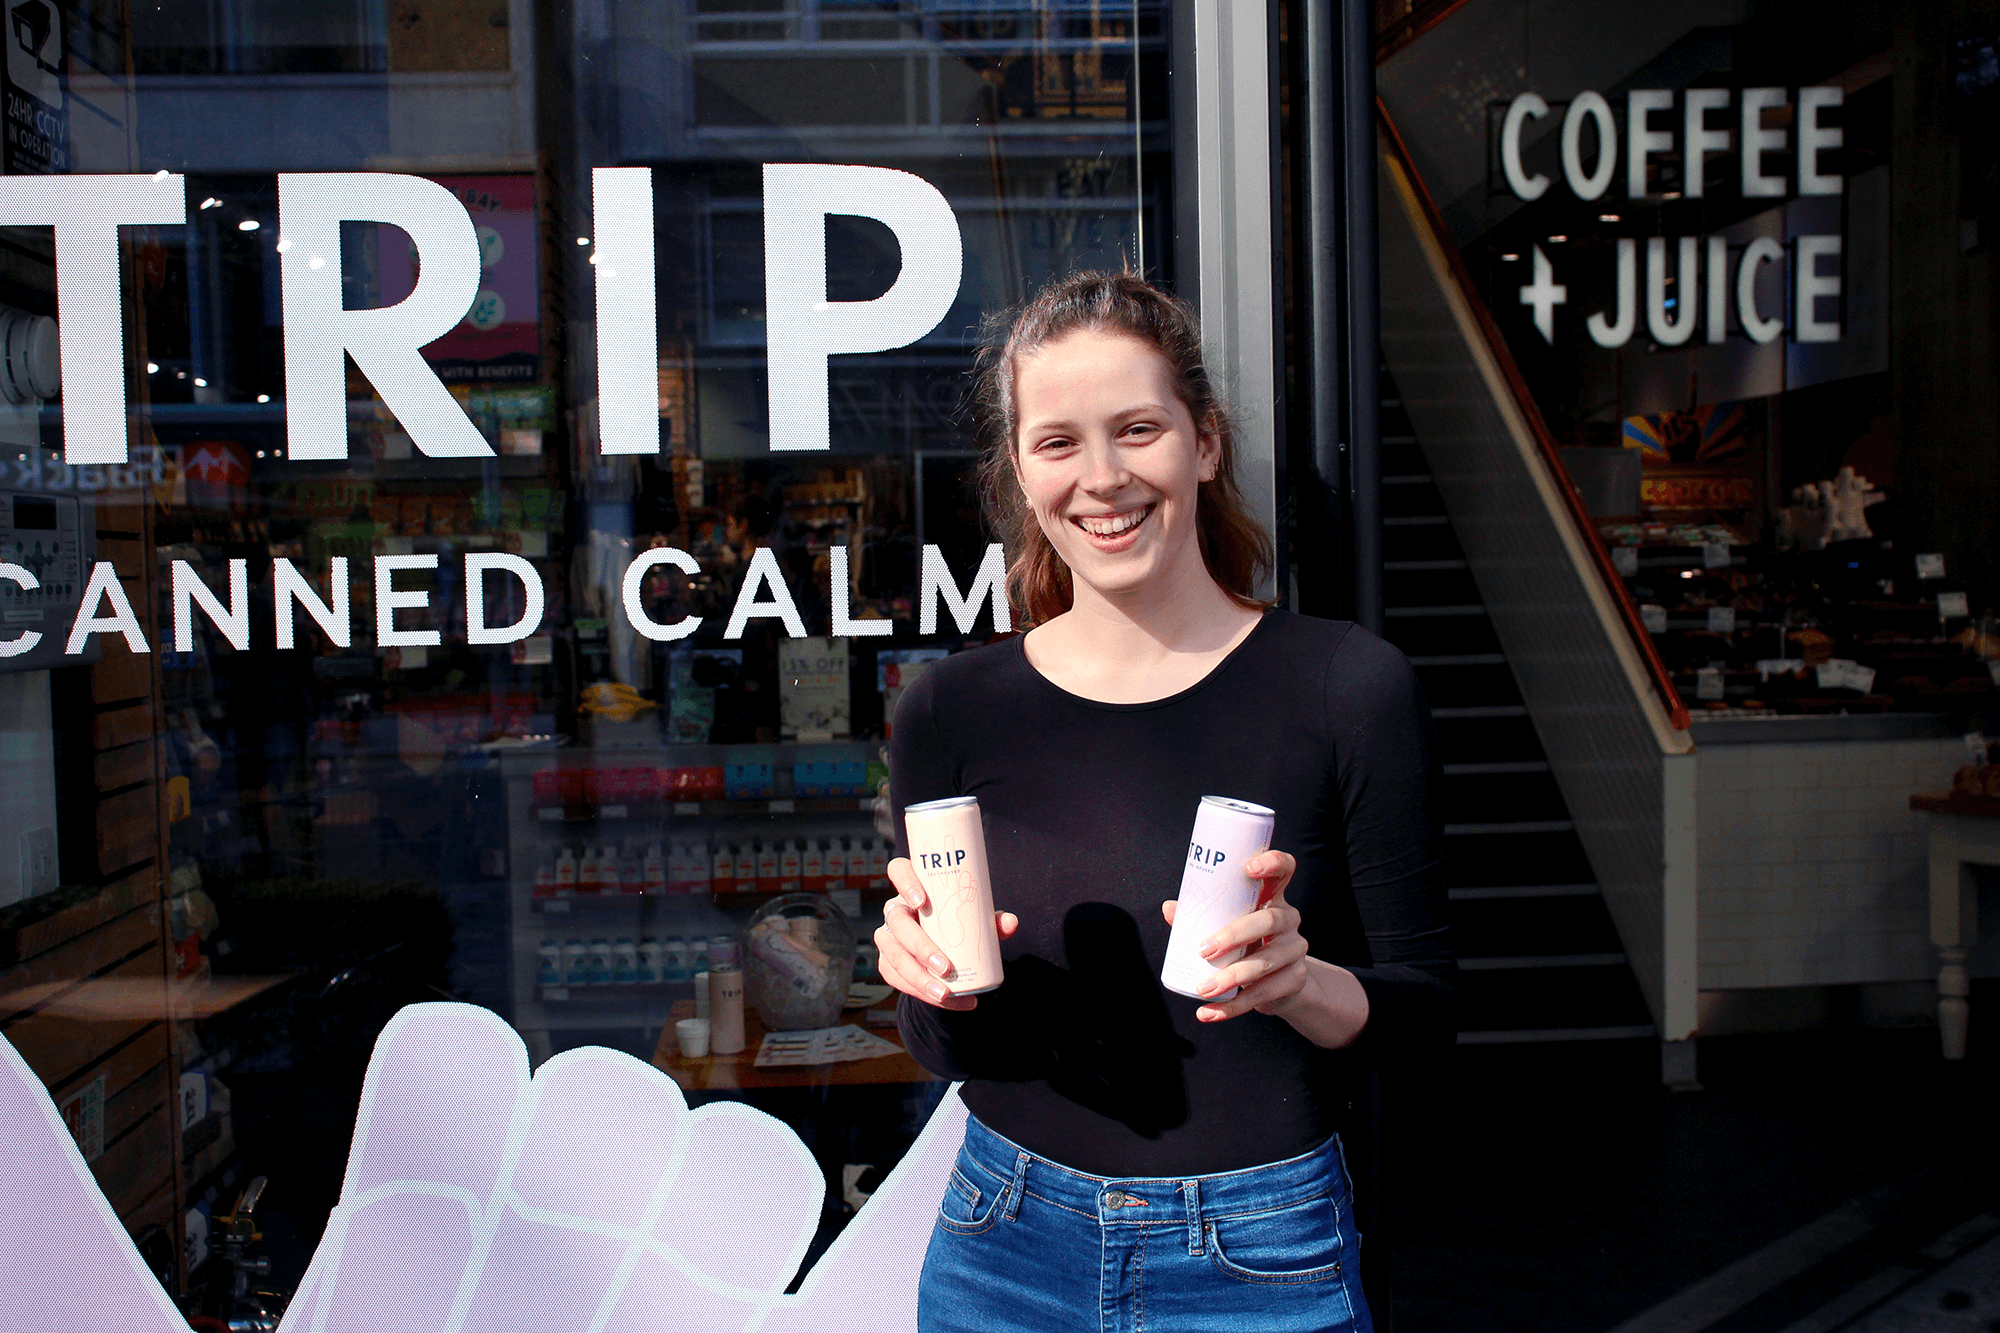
<point>597,966</point>
<point>674,959</point>
<point>548,963</point>
<point>722,877</point>
<point>767,867</point>
<point>812,867</point>
<point>655,870</point>
<point>699,880</point>
<point>589,877</point>
<point>575,963</point>
<point>649,959</point>
<point>746,867</point>
<point>624,961</point>
<point>878,865</point>
<point>697,954</point>
<point>836,864</point>
<point>566,874</point>
<point>632,868</point>
<point>788,867</point>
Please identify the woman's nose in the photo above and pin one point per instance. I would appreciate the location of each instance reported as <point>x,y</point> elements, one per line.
<point>1103,468</point>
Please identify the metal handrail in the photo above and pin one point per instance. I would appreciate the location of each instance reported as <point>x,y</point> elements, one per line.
<point>1586,527</point>
<point>1418,18</point>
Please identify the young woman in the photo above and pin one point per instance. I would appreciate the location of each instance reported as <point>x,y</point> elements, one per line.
<point>1136,1159</point>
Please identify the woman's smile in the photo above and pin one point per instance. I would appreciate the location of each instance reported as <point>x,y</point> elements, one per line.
<point>1113,531</point>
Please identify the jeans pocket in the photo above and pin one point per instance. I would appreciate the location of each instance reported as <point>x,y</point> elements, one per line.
<point>1297,1243</point>
<point>966,1210</point>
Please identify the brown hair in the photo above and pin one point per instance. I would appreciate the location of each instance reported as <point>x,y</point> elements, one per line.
<point>1235,548</point>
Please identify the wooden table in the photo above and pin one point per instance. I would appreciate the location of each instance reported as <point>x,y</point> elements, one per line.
<point>714,1073</point>
<point>1965,831</point>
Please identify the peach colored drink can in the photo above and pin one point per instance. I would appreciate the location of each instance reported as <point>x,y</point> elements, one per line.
<point>948,849</point>
<point>1214,889</point>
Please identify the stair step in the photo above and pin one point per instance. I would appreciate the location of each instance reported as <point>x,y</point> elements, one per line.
<point>1521,962</point>
<point>1413,566</point>
<point>1498,1037</point>
<point>1483,710</point>
<point>1490,891</point>
<point>1513,999</point>
<point>1412,612</point>
<point>1502,766</point>
<point>1511,826</point>
<point>1418,521</point>
<point>1460,659</point>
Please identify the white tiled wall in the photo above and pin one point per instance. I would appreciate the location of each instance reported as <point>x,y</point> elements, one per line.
<point>1812,864</point>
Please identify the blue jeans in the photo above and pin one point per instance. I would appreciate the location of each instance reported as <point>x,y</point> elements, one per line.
<point>1024,1243</point>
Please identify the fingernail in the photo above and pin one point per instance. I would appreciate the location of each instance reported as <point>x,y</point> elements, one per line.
<point>940,964</point>
<point>936,990</point>
<point>1207,1015</point>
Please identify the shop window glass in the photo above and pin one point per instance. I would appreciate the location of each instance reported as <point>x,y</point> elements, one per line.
<point>1696,233</point>
<point>284,771</point>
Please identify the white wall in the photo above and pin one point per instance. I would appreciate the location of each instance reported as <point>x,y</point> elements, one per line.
<point>1812,865</point>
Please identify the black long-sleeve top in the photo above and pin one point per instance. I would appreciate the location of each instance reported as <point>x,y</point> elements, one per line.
<point>1082,1055</point>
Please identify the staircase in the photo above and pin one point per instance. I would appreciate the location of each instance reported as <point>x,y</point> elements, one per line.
<point>1539,956</point>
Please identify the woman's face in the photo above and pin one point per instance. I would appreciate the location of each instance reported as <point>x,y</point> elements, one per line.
<point>1110,460</point>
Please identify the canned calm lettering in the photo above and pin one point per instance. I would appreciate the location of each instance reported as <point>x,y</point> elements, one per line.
<point>948,850</point>
<point>1214,889</point>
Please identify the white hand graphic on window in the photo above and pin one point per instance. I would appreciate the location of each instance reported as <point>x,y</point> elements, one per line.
<point>588,1197</point>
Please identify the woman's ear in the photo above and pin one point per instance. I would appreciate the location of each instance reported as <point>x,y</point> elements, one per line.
<point>1208,453</point>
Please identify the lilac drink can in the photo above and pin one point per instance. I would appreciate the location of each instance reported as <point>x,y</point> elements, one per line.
<point>948,849</point>
<point>1214,889</point>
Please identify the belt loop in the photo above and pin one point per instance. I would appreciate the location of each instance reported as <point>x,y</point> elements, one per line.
<point>1014,1190</point>
<point>1191,1194</point>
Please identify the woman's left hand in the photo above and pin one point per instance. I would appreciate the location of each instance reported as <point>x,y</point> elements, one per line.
<point>1274,976</point>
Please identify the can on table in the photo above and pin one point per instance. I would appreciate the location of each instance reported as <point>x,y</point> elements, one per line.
<point>1214,889</point>
<point>725,1008</point>
<point>948,849</point>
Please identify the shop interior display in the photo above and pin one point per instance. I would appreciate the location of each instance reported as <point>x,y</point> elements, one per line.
<point>1807,610</point>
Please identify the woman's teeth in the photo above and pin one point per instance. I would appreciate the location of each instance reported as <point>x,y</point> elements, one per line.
<point>1111,525</point>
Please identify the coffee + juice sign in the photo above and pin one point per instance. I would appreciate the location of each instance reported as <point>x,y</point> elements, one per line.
<point>1691,284</point>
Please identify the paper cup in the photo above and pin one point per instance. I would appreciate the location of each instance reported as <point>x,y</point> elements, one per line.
<point>693,1035</point>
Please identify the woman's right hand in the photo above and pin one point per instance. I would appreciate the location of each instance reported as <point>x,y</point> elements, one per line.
<point>910,959</point>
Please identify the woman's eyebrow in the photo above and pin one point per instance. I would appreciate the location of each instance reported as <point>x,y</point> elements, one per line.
<point>1049,424</point>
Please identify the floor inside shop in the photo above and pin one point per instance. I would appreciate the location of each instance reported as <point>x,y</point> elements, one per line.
<point>1819,1181</point>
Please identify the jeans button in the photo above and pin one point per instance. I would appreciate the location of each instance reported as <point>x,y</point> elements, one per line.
<point>1115,1199</point>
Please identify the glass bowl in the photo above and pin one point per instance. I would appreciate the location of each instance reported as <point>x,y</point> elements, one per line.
<point>798,961</point>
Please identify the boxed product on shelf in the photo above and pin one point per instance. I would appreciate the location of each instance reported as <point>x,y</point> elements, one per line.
<point>746,781</point>
<point>692,784</point>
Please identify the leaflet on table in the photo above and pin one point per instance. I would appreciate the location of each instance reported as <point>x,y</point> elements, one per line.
<point>819,1046</point>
